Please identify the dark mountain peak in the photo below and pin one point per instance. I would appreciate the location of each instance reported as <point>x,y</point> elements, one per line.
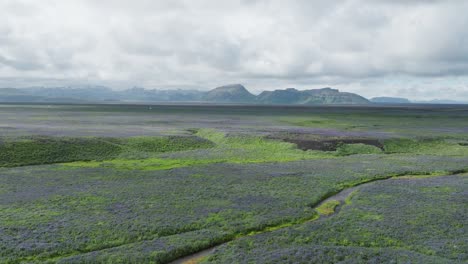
<point>233,93</point>
<point>286,96</point>
<point>325,95</point>
<point>326,90</point>
<point>233,88</point>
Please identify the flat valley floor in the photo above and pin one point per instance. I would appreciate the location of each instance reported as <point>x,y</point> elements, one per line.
<point>233,184</point>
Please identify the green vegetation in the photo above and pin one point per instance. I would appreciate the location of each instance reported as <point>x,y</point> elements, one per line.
<point>396,122</point>
<point>240,149</point>
<point>249,149</point>
<point>115,214</point>
<point>150,184</point>
<point>227,149</point>
<point>385,222</point>
<point>426,146</point>
<point>47,150</point>
<point>43,150</point>
<point>164,144</point>
<point>140,164</point>
<point>328,207</point>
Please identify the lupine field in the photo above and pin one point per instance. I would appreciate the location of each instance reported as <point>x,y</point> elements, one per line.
<point>241,184</point>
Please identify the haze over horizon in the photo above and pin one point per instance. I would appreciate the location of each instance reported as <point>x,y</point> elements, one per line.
<point>416,49</point>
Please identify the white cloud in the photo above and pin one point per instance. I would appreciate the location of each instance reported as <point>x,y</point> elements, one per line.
<point>360,46</point>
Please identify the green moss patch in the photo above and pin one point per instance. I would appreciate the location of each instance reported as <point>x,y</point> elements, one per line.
<point>328,207</point>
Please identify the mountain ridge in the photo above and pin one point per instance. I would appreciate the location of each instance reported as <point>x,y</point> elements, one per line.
<point>390,100</point>
<point>325,95</point>
<point>230,94</point>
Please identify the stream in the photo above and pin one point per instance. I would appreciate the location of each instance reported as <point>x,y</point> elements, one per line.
<point>340,196</point>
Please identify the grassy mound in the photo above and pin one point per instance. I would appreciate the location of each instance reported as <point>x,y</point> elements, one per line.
<point>436,146</point>
<point>43,150</point>
<point>46,150</point>
<point>227,149</point>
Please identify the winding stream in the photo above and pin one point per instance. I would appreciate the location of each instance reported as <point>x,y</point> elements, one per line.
<point>340,196</point>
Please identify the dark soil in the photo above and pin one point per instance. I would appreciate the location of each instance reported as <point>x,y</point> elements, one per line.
<point>331,144</point>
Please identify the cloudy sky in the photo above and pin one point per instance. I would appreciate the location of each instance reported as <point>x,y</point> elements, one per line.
<point>410,48</point>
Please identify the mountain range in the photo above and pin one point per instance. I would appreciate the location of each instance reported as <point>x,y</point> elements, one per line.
<point>399,100</point>
<point>233,94</point>
<point>390,100</point>
<point>310,97</point>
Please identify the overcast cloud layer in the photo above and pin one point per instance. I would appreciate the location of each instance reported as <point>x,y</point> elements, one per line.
<point>409,48</point>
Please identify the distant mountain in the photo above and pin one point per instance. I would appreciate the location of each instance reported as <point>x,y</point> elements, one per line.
<point>96,94</point>
<point>141,94</point>
<point>333,96</point>
<point>310,97</point>
<point>440,101</point>
<point>287,96</point>
<point>17,95</point>
<point>11,91</point>
<point>390,100</point>
<point>234,93</point>
<point>81,93</point>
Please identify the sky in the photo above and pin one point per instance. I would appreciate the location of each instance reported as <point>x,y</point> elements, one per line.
<point>416,49</point>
